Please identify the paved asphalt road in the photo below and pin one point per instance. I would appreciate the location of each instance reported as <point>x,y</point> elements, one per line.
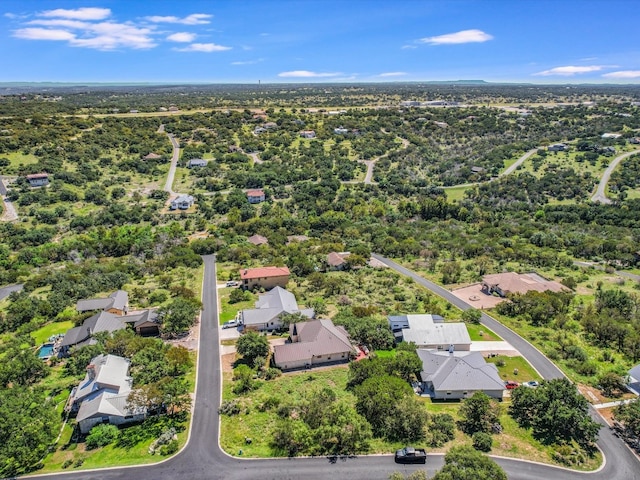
<point>202,458</point>
<point>600,195</point>
<point>8,290</point>
<point>622,273</point>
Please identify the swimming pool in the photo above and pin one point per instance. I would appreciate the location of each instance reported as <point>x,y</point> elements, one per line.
<point>46,350</point>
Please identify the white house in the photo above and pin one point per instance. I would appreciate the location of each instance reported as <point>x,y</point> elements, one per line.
<point>182,202</point>
<point>429,331</point>
<point>269,308</point>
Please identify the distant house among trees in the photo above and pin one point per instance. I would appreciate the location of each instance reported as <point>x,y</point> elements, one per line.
<point>196,162</point>
<point>308,134</point>
<point>38,179</point>
<point>318,342</point>
<point>338,260</point>
<point>511,282</point>
<point>264,277</point>
<point>340,130</point>
<point>557,147</point>
<point>257,240</point>
<point>152,156</point>
<point>182,202</point>
<point>634,379</point>
<point>84,334</point>
<point>256,195</point>
<point>102,396</point>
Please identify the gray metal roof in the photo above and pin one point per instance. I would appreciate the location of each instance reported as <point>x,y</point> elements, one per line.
<point>118,300</point>
<point>459,371</point>
<point>271,305</point>
<point>110,374</point>
<point>635,373</point>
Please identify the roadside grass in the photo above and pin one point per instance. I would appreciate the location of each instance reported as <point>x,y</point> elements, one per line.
<point>512,364</point>
<point>252,423</point>
<point>480,333</point>
<point>42,334</point>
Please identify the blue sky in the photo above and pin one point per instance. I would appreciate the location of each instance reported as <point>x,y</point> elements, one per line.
<point>226,41</point>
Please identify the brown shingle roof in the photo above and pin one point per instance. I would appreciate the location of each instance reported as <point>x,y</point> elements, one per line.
<point>521,283</point>
<point>315,338</point>
<point>257,239</point>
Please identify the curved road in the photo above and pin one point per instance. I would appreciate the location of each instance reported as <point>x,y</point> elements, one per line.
<point>202,458</point>
<point>600,195</point>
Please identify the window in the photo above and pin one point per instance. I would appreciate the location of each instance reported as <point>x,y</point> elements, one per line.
<point>448,393</point>
<point>128,417</point>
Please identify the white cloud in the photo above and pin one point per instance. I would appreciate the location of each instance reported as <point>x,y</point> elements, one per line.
<point>570,70</point>
<point>203,47</point>
<point>43,34</point>
<point>623,74</point>
<point>10,15</point>
<point>393,74</point>
<point>307,74</point>
<point>78,14</point>
<point>407,47</point>
<point>193,19</point>
<point>464,36</point>
<point>248,62</point>
<point>182,37</point>
<point>61,22</point>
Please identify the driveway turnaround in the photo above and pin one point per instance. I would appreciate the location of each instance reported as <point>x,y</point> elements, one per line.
<point>202,458</point>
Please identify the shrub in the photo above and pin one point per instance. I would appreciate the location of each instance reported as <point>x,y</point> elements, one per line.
<point>229,407</point>
<point>101,435</point>
<point>170,448</point>
<point>67,463</point>
<point>482,441</point>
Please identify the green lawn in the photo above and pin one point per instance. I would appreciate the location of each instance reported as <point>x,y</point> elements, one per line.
<point>480,333</point>
<point>42,334</point>
<point>228,310</point>
<point>511,364</point>
<point>456,194</point>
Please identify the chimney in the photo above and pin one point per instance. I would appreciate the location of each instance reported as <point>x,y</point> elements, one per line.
<point>91,371</point>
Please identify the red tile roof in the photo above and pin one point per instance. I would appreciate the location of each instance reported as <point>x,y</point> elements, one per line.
<point>33,176</point>
<point>263,272</point>
<point>255,193</point>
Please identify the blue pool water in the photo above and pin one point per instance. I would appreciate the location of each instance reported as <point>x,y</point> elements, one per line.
<point>45,350</point>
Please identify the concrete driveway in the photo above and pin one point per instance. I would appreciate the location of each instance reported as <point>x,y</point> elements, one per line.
<point>475,297</point>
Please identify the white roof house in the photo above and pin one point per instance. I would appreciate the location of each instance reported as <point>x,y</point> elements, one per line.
<point>455,375</point>
<point>428,332</point>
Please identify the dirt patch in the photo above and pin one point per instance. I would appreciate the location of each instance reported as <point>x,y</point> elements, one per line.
<point>227,362</point>
<point>190,341</point>
<point>607,414</point>
<point>593,395</point>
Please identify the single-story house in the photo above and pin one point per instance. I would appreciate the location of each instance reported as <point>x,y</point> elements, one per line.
<point>338,260</point>
<point>255,196</point>
<point>634,140</point>
<point>611,135</point>
<point>145,323</point>
<point>102,397</point>
<point>83,335</point>
<point>269,308</point>
<point>182,202</point>
<point>557,147</point>
<point>313,343</point>
<point>427,332</point>
<point>259,130</point>
<point>340,130</point>
<point>264,277</point>
<point>38,179</point>
<point>477,169</point>
<point>196,162</point>
<point>308,134</point>
<point>634,380</point>
<point>152,156</point>
<point>456,375</point>
<point>511,282</point>
<point>116,303</point>
<point>258,240</point>
<point>271,125</point>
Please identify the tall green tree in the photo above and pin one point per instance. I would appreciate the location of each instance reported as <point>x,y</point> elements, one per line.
<point>252,345</point>
<point>478,414</point>
<point>466,463</point>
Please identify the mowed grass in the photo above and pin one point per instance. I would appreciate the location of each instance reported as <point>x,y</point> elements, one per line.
<point>228,310</point>
<point>511,364</point>
<point>42,334</point>
<point>456,194</point>
<point>480,333</point>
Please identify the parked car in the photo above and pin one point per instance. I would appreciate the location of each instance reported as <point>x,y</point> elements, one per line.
<point>232,283</point>
<point>411,455</point>
<point>510,384</point>
<point>230,324</point>
<point>531,384</point>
